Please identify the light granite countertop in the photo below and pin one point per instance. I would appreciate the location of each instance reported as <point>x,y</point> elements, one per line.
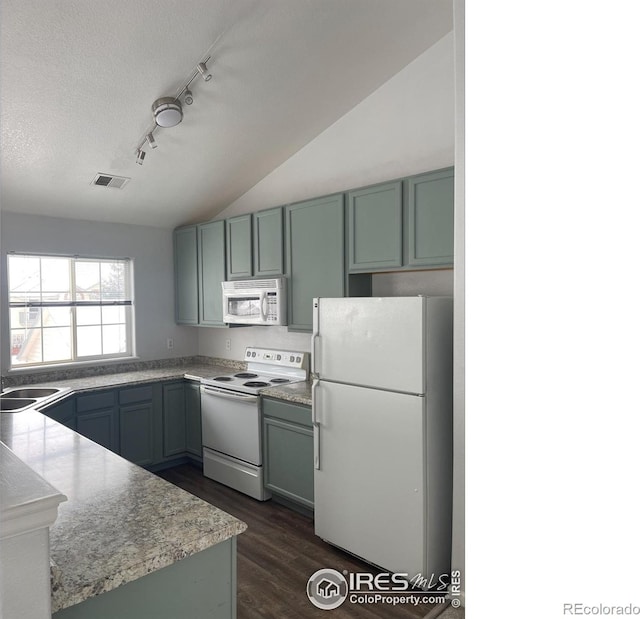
<point>298,393</point>
<point>120,522</point>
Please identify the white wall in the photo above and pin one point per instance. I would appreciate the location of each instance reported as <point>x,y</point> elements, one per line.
<point>405,127</point>
<point>151,250</point>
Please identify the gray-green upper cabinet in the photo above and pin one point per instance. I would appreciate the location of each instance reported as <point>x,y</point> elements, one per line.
<point>267,243</point>
<point>429,219</point>
<point>211,272</point>
<point>239,247</point>
<point>314,242</point>
<point>375,227</point>
<point>185,254</point>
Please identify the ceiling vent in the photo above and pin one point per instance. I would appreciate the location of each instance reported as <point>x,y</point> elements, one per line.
<point>108,180</point>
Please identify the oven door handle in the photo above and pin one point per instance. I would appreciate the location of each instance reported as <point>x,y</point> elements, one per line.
<point>229,395</point>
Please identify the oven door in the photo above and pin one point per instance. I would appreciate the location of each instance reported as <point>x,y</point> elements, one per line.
<point>231,424</point>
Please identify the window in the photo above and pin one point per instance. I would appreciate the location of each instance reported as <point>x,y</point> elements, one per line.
<point>65,309</point>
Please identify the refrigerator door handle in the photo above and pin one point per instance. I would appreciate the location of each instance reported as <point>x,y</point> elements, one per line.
<point>314,337</point>
<point>316,425</point>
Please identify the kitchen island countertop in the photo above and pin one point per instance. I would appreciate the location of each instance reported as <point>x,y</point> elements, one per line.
<point>120,522</point>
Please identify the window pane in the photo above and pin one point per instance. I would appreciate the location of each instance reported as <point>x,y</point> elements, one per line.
<point>89,341</point>
<point>113,281</point>
<point>24,279</point>
<point>87,281</point>
<point>56,316</point>
<point>56,343</point>
<point>55,277</point>
<point>113,314</point>
<point>25,317</point>
<point>25,346</point>
<point>115,339</point>
<point>88,315</point>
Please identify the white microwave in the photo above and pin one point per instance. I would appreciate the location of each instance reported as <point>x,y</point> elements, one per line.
<point>255,302</point>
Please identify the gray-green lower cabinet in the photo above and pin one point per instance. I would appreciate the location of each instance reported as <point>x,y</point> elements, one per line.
<point>97,418</point>
<point>136,433</point>
<point>288,450</point>
<point>136,424</point>
<point>174,419</point>
<point>202,586</point>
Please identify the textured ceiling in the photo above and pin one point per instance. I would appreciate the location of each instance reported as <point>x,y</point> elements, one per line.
<point>78,77</point>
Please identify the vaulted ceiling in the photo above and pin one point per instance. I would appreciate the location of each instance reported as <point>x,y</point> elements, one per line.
<point>78,78</point>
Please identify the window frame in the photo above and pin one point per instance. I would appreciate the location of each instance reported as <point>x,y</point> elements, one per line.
<point>127,303</point>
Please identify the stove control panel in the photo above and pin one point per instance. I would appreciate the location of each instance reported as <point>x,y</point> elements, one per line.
<point>284,358</point>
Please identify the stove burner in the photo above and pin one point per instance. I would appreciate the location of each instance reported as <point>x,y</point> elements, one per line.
<point>245,375</point>
<point>279,380</point>
<point>223,379</point>
<point>256,383</point>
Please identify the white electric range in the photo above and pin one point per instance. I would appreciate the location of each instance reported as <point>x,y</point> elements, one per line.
<point>231,417</point>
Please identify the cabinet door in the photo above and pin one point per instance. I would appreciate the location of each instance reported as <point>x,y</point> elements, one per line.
<point>101,427</point>
<point>429,226</point>
<point>136,433</point>
<point>289,460</point>
<point>239,246</point>
<point>173,417</point>
<point>315,255</point>
<point>193,419</point>
<point>185,254</point>
<point>267,243</point>
<point>375,227</point>
<point>211,270</point>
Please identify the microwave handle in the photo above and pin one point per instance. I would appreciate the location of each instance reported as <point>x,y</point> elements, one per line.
<point>263,305</point>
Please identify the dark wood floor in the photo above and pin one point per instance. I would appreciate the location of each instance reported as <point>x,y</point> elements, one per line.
<point>278,553</point>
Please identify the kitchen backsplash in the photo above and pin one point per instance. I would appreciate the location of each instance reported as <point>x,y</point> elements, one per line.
<point>53,375</point>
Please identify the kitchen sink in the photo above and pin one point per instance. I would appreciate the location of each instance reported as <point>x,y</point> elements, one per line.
<point>29,393</point>
<point>23,398</point>
<point>15,405</point>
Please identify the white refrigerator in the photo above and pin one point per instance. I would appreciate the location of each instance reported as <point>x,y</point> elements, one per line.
<point>382,413</point>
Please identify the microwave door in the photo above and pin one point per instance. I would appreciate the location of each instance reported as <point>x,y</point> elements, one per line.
<point>244,307</point>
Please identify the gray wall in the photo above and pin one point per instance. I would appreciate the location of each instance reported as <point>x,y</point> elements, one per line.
<point>151,250</point>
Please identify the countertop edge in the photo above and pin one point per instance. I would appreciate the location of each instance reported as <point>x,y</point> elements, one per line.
<point>60,598</point>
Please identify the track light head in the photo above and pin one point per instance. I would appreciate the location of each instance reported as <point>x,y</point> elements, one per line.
<point>140,157</point>
<point>151,140</point>
<point>188,97</point>
<point>202,69</point>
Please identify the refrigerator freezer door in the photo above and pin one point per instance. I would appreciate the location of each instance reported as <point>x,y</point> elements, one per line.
<point>370,485</point>
<point>375,342</point>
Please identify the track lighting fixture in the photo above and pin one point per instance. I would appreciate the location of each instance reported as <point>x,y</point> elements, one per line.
<point>167,111</point>
<point>202,68</point>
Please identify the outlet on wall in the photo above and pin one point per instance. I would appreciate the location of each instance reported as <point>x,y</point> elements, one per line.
<point>169,343</point>
<point>227,344</point>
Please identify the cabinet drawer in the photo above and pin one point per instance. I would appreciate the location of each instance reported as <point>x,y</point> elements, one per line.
<point>286,411</point>
<point>135,394</point>
<point>95,401</point>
